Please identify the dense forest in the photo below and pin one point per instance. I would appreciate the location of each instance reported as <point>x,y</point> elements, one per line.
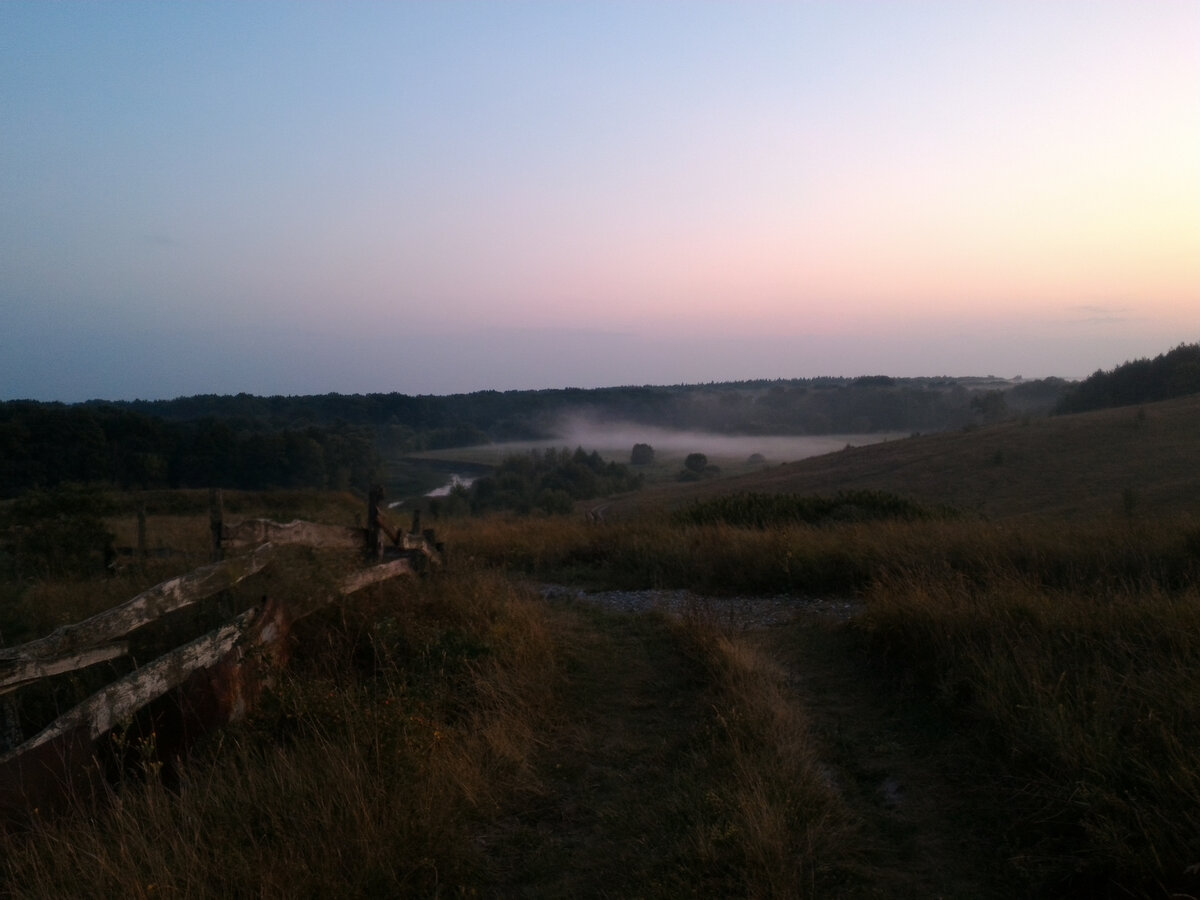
<point>339,441</point>
<point>1172,374</point>
<point>784,406</point>
<point>46,444</point>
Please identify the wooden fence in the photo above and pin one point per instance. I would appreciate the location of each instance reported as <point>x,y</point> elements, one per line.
<point>206,682</point>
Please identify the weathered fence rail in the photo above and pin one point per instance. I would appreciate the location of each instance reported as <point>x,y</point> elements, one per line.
<point>218,675</point>
<point>76,646</point>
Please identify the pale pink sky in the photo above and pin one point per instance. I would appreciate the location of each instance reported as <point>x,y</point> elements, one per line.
<point>436,197</point>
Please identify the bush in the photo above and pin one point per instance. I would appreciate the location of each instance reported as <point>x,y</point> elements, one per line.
<point>754,510</point>
<point>642,455</point>
<point>550,481</point>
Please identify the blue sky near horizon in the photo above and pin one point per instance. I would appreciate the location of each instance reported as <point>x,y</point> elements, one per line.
<point>440,197</point>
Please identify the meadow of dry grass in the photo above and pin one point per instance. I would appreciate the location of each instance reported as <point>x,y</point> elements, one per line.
<point>1010,710</point>
<point>1086,698</point>
<point>1063,468</point>
<point>459,737</point>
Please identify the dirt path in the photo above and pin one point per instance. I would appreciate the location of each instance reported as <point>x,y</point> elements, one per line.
<point>895,761</point>
<point>616,814</point>
<point>899,767</point>
<point>623,778</point>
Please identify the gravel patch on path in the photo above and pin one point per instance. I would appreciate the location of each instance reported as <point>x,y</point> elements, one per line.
<point>735,612</point>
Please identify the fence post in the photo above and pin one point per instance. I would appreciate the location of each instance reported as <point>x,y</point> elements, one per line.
<point>141,537</point>
<point>216,523</point>
<point>373,500</point>
<point>10,723</point>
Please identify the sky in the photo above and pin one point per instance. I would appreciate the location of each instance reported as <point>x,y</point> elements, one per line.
<point>440,197</point>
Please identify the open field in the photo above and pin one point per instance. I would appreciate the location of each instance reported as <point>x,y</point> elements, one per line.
<point>999,703</point>
<point>731,453</point>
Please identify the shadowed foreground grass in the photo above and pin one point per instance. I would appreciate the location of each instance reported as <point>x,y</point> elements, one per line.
<point>461,737</point>
<point>1063,653</point>
<point>406,719</point>
<point>1085,701</point>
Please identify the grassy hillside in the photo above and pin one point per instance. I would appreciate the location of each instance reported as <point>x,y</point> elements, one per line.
<point>1140,460</point>
<point>976,706</point>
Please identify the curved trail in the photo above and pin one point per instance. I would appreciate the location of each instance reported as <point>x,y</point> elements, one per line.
<point>891,758</point>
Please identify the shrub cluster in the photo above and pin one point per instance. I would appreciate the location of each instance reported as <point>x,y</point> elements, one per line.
<point>755,510</point>
<point>55,534</point>
<point>550,481</point>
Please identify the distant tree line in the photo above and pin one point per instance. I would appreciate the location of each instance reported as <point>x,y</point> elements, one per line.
<point>338,440</point>
<point>1175,373</point>
<point>404,423</point>
<point>43,445</point>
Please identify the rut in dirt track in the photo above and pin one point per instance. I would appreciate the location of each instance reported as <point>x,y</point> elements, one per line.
<point>605,824</point>
<point>623,775</point>
<point>897,765</point>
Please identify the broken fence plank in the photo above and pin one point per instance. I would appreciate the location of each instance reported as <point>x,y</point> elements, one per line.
<point>168,596</point>
<point>118,701</point>
<point>17,673</point>
<point>374,575</point>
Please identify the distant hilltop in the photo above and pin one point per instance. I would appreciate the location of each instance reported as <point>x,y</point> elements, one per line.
<point>338,440</point>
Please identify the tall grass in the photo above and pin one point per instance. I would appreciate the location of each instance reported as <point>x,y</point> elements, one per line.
<point>1068,651</point>
<point>1087,701</point>
<point>788,830</point>
<point>408,717</point>
<point>848,558</point>
<point>414,715</point>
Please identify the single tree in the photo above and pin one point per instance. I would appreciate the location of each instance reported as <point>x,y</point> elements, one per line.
<point>642,455</point>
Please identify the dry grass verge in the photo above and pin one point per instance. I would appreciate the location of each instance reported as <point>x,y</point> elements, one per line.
<point>408,717</point>
<point>652,552</point>
<point>459,736</point>
<point>1086,703</point>
<point>787,827</point>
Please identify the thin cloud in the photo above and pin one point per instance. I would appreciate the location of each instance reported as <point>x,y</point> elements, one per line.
<point>1096,314</point>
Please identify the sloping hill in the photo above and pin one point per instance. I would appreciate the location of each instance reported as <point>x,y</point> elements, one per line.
<point>1144,460</point>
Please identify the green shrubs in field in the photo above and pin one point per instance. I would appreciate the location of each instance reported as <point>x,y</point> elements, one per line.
<point>755,510</point>
<point>55,534</point>
<point>549,481</point>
